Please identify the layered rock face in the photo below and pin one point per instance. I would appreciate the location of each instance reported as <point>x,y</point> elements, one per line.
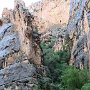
<point>23,24</point>
<point>78,33</point>
<point>19,49</point>
<point>49,13</point>
<point>19,76</point>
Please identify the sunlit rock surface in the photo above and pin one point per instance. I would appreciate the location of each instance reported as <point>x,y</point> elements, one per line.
<point>49,13</point>
<point>20,49</point>
<point>23,23</point>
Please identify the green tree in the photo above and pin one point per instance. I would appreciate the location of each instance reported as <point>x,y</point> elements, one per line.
<point>74,78</point>
<point>86,86</point>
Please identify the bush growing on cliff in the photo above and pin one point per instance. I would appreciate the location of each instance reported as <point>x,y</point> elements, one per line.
<point>47,52</point>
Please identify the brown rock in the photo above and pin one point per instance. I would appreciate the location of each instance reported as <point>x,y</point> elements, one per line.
<point>50,12</point>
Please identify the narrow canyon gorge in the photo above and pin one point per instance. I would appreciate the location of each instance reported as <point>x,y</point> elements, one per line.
<point>42,43</point>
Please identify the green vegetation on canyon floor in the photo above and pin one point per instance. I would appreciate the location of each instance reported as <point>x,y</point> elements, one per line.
<point>61,75</point>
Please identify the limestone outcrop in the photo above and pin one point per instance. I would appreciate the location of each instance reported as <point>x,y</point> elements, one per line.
<point>78,33</point>
<point>49,13</point>
<point>20,49</point>
<point>20,76</point>
<point>28,38</point>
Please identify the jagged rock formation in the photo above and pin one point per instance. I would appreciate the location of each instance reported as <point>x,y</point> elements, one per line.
<point>19,49</point>
<point>20,76</point>
<point>78,26</point>
<point>9,44</point>
<point>49,13</point>
<point>78,31</point>
<point>24,26</point>
<point>20,52</point>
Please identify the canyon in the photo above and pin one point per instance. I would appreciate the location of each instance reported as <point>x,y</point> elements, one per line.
<point>23,29</point>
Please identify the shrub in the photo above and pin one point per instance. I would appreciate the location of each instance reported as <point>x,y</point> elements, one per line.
<point>86,86</point>
<point>56,62</point>
<point>63,76</point>
<point>74,78</point>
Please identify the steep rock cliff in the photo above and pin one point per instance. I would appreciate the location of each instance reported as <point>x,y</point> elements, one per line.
<point>49,13</point>
<point>23,23</point>
<point>78,33</point>
<point>19,49</point>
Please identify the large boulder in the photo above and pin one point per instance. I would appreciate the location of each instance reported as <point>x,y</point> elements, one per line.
<point>20,76</point>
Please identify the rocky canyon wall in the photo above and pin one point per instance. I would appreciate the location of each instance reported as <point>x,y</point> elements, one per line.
<point>73,14</point>
<point>78,32</point>
<point>49,13</point>
<point>23,24</point>
<point>20,49</point>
